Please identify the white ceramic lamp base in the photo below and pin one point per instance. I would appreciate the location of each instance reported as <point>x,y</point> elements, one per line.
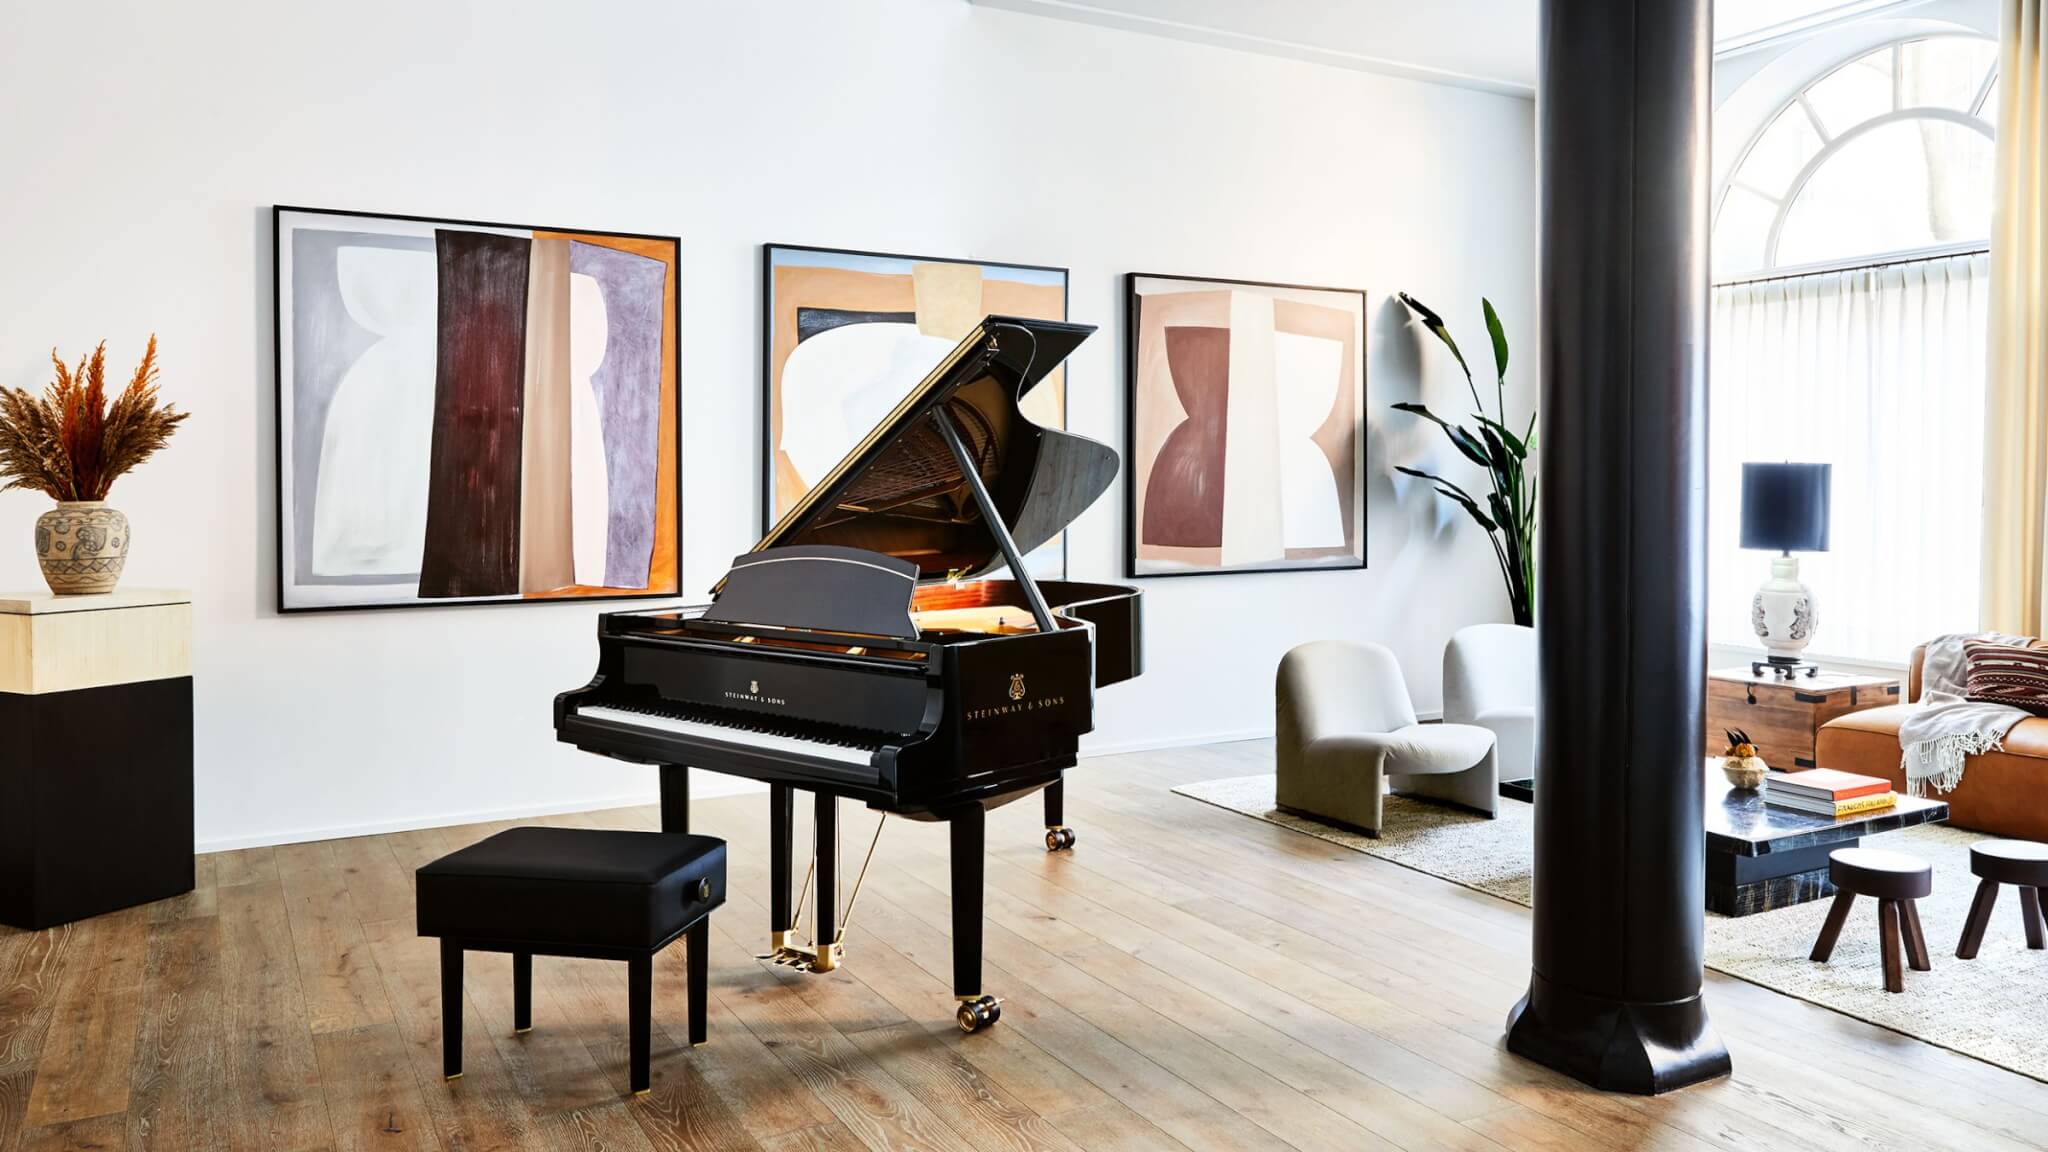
<point>1784,613</point>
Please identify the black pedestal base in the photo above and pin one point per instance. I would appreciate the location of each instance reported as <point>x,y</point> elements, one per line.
<point>95,800</point>
<point>1741,885</point>
<point>1616,1046</point>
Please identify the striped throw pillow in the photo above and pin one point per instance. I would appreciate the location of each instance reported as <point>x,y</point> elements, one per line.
<point>1997,674</point>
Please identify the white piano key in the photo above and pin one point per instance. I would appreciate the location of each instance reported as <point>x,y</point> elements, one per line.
<point>729,735</point>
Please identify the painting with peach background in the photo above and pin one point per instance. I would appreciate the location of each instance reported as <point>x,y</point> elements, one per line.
<point>1245,433</point>
<point>847,336</point>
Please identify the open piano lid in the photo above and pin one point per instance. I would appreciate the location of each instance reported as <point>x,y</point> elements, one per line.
<point>902,492</point>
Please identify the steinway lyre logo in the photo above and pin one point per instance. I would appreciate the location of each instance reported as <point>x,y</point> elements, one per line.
<point>753,698</point>
<point>1016,686</point>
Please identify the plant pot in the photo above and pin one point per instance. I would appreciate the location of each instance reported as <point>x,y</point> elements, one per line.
<point>82,546</point>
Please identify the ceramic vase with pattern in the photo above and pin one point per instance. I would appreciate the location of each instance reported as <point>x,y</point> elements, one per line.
<point>1784,613</point>
<point>82,546</point>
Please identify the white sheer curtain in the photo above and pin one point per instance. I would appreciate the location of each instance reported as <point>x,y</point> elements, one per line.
<point>1880,372</point>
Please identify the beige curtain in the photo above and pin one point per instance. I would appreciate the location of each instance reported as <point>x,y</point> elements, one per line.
<point>2016,397</point>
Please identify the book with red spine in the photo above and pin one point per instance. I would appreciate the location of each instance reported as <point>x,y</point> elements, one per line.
<point>1828,784</point>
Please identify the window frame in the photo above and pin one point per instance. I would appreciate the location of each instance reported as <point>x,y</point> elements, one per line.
<point>1831,146</point>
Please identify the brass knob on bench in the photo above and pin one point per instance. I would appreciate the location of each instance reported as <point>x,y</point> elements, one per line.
<point>704,889</point>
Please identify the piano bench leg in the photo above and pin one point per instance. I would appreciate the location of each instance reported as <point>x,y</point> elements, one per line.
<point>700,980</point>
<point>640,1009</point>
<point>522,992</point>
<point>451,1008</point>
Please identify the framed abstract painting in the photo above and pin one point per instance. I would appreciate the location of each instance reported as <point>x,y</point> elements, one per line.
<point>1245,429</point>
<point>473,413</point>
<point>846,335</point>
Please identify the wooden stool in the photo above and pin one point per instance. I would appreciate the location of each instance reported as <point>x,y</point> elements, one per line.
<point>592,893</point>
<point>2019,863</point>
<point>1896,881</point>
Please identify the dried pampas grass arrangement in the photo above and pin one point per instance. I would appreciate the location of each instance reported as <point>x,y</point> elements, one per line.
<point>69,442</point>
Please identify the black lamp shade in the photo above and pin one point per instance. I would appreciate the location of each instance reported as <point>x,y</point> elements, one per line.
<point>1785,506</point>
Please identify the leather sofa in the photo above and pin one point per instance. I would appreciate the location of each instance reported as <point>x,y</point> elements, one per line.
<point>2003,793</point>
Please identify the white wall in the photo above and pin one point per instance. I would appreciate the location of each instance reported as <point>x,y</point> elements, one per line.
<point>141,171</point>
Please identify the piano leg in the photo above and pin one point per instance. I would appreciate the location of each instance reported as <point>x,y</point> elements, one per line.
<point>675,798</point>
<point>976,1010</point>
<point>781,817</point>
<point>1057,834</point>
<point>825,927</point>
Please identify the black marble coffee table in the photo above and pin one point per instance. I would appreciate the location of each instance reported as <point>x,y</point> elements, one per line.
<point>1760,858</point>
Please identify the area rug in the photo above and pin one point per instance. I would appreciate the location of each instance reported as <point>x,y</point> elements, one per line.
<point>1994,1008</point>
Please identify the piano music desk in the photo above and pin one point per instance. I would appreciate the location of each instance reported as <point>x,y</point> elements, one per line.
<point>96,784</point>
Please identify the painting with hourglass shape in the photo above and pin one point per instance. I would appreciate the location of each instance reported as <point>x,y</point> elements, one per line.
<point>473,412</point>
<point>1245,427</point>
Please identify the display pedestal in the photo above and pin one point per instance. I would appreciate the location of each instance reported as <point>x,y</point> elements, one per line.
<point>96,782</point>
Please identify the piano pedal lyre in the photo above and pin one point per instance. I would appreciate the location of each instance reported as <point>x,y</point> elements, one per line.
<point>783,948</point>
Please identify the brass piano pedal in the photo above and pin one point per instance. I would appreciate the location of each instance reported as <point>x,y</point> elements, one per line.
<point>806,957</point>
<point>977,1012</point>
<point>1058,837</point>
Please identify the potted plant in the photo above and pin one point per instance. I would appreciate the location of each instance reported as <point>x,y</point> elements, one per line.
<point>71,444</point>
<point>1508,513</point>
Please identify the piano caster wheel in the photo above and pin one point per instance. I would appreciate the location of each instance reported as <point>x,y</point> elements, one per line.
<point>979,1013</point>
<point>1058,838</point>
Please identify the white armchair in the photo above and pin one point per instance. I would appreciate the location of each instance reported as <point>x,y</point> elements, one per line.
<point>1346,731</point>
<point>1490,681</point>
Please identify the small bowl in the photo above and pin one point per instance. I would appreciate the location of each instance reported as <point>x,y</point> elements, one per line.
<point>1744,772</point>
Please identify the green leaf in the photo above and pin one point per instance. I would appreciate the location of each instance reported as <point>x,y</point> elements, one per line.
<point>1496,450</point>
<point>1514,442</point>
<point>1435,324</point>
<point>1466,443</point>
<point>1500,338</point>
<point>1446,488</point>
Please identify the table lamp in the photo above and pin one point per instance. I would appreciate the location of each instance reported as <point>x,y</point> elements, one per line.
<point>1785,510</point>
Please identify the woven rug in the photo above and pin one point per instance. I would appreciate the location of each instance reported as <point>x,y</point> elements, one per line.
<point>1994,1008</point>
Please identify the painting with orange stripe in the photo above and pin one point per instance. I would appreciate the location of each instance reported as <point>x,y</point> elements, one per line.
<point>473,413</point>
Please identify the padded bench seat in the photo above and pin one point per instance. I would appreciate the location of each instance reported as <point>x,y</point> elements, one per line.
<point>583,892</point>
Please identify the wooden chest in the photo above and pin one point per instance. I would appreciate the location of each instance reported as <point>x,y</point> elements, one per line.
<point>1783,717</point>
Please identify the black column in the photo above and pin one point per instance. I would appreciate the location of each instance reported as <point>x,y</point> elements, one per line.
<point>1614,990</point>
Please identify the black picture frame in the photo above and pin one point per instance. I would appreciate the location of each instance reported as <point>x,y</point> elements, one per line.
<point>1131,322</point>
<point>766,431</point>
<point>278,495</point>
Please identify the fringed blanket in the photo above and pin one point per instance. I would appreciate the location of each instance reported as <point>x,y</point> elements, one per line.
<point>1948,728</point>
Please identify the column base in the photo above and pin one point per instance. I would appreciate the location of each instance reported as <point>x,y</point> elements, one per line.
<point>1613,1045</point>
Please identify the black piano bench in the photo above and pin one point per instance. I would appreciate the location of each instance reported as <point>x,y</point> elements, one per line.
<point>582,892</point>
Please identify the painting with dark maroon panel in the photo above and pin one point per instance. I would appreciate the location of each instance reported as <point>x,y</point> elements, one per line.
<point>1184,496</point>
<point>472,546</point>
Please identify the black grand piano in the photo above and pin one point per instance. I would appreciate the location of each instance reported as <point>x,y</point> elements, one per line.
<point>860,651</point>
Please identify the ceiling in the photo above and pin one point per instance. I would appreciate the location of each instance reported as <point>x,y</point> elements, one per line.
<point>1487,44</point>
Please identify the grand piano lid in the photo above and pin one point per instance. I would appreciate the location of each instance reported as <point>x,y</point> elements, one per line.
<point>903,493</point>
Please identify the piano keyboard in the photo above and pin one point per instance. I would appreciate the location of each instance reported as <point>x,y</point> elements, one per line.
<point>742,731</point>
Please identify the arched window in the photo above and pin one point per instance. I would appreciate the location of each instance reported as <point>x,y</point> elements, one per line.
<point>1888,153</point>
<point>1851,307</point>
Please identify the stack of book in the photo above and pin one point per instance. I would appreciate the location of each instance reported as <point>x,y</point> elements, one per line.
<point>1826,792</point>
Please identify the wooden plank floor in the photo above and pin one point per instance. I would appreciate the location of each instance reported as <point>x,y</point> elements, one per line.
<point>1185,980</point>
